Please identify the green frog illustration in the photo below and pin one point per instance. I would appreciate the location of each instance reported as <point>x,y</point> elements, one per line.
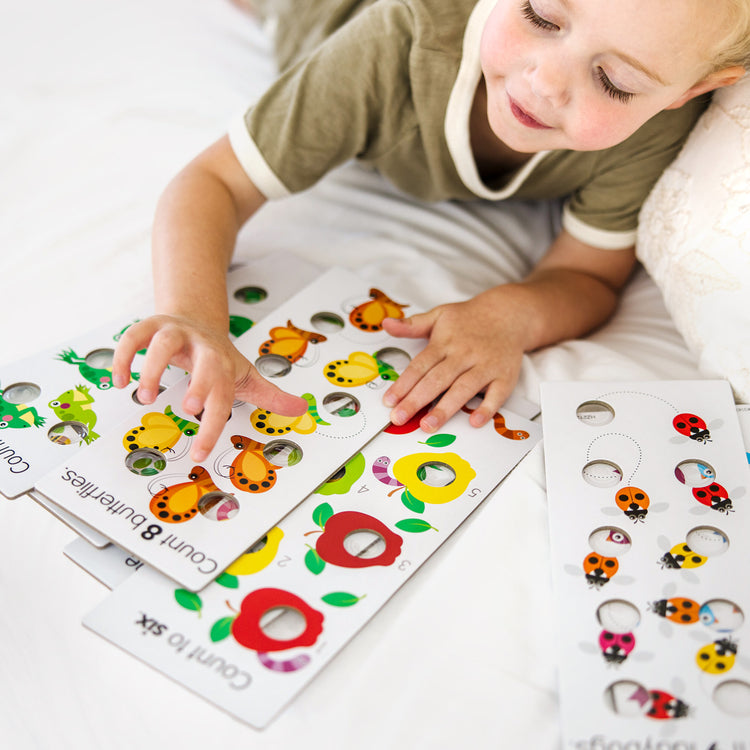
<point>74,405</point>
<point>16,416</point>
<point>101,377</point>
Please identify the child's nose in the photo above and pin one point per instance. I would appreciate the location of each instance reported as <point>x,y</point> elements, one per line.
<point>549,80</point>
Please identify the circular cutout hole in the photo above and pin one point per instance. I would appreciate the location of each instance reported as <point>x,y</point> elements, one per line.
<point>218,506</point>
<point>250,295</point>
<point>396,359</point>
<point>610,541</point>
<point>282,453</point>
<point>100,359</point>
<point>436,474</point>
<point>364,543</point>
<point>145,462</point>
<point>134,395</point>
<point>707,541</point>
<point>618,616</point>
<point>327,322</point>
<point>627,698</point>
<point>695,473</point>
<point>283,623</point>
<point>602,473</point>
<point>595,413</point>
<point>341,404</point>
<point>273,366</point>
<point>257,547</point>
<point>733,698</point>
<point>21,393</point>
<point>721,615</point>
<point>68,433</point>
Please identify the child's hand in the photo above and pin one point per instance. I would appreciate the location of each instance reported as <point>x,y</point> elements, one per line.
<point>474,346</point>
<point>219,374</point>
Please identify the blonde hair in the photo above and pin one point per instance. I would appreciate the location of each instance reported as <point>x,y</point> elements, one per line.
<point>734,49</point>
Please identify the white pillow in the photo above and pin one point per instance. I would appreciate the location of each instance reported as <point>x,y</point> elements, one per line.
<point>694,238</point>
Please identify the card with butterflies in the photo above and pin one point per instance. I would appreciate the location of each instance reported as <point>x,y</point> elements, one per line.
<point>650,530</point>
<point>279,613</point>
<point>59,401</point>
<point>138,486</point>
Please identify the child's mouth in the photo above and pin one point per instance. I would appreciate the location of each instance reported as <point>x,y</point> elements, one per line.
<point>525,118</point>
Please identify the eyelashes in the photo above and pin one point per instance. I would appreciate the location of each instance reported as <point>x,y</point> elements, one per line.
<point>611,89</point>
<point>531,15</point>
<point>604,82</point>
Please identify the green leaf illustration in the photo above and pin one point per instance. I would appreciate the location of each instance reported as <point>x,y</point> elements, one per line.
<point>228,581</point>
<point>314,562</point>
<point>414,525</point>
<point>411,502</point>
<point>341,599</point>
<point>189,600</point>
<point>221,629</point>
<point>321,514</point>
<point>439,441</point>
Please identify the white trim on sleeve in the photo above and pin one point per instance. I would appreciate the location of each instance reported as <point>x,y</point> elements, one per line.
<point>252,161</point>
<point>601,238</point>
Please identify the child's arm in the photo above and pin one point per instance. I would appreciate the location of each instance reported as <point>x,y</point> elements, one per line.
<point>195,229</point>
<point>477,346</point>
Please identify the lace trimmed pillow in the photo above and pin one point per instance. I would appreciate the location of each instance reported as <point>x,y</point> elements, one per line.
<point>694,238</point>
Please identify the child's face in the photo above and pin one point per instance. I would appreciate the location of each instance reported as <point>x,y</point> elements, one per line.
<point>586,74</point>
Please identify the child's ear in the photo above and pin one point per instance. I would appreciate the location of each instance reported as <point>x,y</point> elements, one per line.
<point>716,80</point>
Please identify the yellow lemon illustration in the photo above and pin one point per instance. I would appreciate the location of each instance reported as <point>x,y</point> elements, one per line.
<point>259,556</point>
<point>434,477</point>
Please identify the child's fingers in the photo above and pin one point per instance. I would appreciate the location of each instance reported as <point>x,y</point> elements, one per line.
<point>213,416</point>
<point>418,369</point>
<point>417,326</point>
<point>132,340</point>
<point>163,345</point>
<point>255,389</point>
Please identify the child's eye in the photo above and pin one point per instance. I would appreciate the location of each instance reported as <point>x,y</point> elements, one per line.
<point>611,89</point>
<point>531,15</point>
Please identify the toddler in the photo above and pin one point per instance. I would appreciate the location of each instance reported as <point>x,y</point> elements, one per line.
<point>535,99</point>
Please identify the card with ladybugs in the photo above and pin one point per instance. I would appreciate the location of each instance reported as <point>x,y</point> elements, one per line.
<point>138,486</point>
<point>252,639</point>
<point>650,528</point>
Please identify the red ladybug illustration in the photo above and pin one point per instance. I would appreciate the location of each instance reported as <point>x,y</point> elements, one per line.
<point>692,426</point>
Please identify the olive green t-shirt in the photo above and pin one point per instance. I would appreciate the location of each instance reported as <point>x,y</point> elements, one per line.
<point>393,87</point>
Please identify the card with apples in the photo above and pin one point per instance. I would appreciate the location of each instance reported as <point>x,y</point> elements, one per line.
<point>252,639</point>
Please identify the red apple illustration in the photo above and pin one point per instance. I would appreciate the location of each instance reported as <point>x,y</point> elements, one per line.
<point>330,545</point>
<point>246,627</point>
<point>410,425</point>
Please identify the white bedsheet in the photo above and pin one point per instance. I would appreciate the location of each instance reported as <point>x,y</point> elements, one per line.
<point>100,104</point>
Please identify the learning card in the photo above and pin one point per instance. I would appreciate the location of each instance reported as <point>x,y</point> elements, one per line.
<point>86,532</point>
<point>252,639</point>
<point>138,486</point>
<point>58,401</point>
<point>110,566</point>
<point>650,532</point>
<point>61,400</point>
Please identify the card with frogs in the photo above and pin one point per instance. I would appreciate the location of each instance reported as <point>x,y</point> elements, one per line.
<point>138,486</point>
<point>55,403</point>
<point>252,639</point>
<point>650,529</point>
